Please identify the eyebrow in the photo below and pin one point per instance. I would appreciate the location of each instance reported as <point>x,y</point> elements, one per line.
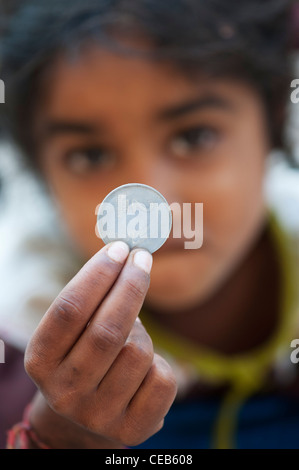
<point>57,127</point>
<point>198,104</point>
<point>65,126</point>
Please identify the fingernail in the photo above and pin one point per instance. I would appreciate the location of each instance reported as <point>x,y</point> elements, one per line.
<point>118,251</point>
<point>144,260</point>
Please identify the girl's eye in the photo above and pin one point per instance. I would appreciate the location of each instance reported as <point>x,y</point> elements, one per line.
<point>194,140</point>
<point>82,161</point>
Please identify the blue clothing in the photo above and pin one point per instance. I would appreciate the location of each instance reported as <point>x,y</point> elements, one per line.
<point>265,422</point>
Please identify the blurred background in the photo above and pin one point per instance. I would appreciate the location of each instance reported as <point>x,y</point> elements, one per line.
<point>34,252</point>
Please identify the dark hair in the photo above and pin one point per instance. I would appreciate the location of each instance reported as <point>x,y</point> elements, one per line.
<point>242,39</point>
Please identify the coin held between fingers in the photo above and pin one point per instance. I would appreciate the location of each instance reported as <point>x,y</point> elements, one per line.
<point>118,251</point>
<point>143,260</point>
<point>136,214</point>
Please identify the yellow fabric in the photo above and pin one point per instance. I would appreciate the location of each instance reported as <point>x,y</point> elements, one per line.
<point>245,372</point>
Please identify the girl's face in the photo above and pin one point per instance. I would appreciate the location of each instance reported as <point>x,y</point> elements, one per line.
<point>108,120</point>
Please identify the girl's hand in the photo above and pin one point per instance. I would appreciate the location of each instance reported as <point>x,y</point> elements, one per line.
<point>92,359</point>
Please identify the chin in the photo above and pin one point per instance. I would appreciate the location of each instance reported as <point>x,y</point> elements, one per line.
<point>171,292</point>
<point>170,305</point>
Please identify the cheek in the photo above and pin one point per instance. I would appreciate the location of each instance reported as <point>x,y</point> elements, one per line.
<point>80,220</point>
<point>235,209</point>
<point>234,212</point>
<point>231,190</point>
<point>235,215</point>
<point>76,210</point>
<point>76,201</point>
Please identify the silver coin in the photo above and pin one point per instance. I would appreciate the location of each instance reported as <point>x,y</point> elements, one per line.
<point>136,214</point>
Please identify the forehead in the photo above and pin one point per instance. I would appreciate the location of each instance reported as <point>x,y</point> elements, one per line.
<point>99,78</point>
<point>96,75</point>
<point>99,84</point>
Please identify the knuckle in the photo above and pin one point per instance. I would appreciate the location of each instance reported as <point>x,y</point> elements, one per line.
<point>31,365</point>
<point>135,289</point>
<point>163,379</point>
<point>67,309</point>
<point>139,350</point>
<point>35,360</point>
<point>106,337</point>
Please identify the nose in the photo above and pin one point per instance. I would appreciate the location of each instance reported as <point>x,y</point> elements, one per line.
<point>155,173</point>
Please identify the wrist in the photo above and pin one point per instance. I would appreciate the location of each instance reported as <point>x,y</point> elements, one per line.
<point>57,432</point>
<point>22,435</point>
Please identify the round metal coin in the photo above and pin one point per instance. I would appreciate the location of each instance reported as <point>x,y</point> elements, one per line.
<point>136,214</point>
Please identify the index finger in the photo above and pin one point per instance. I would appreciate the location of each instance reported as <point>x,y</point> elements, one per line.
<point>67,317</point>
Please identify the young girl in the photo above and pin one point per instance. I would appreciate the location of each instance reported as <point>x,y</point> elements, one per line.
<point>188,97</point>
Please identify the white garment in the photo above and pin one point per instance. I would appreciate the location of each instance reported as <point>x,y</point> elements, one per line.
<point>36,259</point>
